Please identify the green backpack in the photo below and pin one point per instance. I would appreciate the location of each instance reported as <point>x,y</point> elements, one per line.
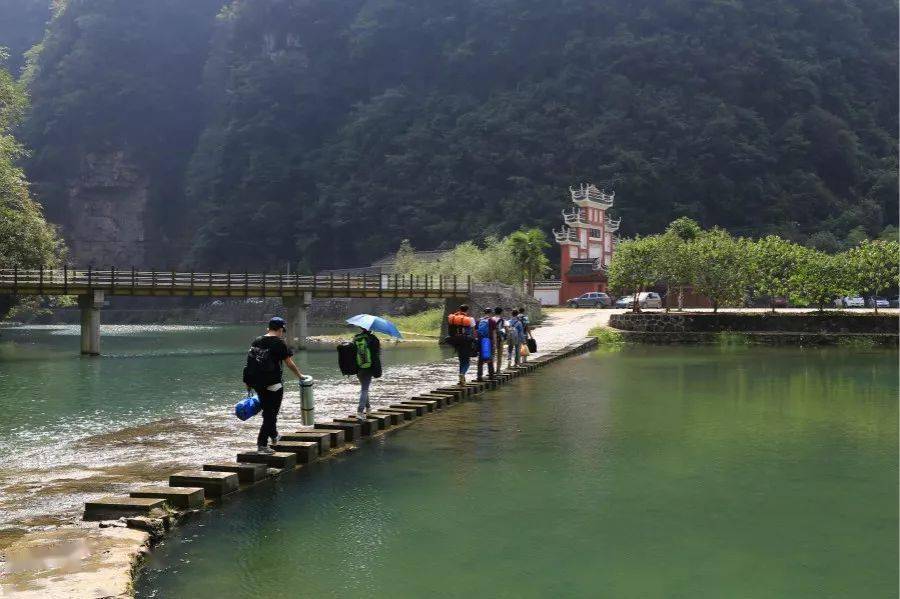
<point>363,353</point>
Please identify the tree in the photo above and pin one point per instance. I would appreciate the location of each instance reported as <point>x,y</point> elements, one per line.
<point>686,229</point>
<point>26,240</point>
<point>405,261</point>
<point>677,265</point>
<point>633,266</point>
<point>820,278</point>
<point>773,264</point>
<point>527,246</point>
<point>873,267</point>
<point>721,267</point>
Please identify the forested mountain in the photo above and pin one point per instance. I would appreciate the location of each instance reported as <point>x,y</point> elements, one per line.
<point>323,132</point>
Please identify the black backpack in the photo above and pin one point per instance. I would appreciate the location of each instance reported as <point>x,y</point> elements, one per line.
<point>261,369</point>
<point>347,357</point>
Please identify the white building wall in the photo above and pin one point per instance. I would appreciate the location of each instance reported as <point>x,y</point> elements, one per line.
<point>547,297</point>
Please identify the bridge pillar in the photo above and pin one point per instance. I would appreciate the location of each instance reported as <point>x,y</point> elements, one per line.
<point>297,325</point>
<point>90,305</point>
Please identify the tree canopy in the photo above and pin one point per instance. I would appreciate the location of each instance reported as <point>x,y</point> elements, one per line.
<point>26,240</point>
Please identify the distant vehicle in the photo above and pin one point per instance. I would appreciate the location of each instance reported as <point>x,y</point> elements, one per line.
<point>647,299</point>
<point>877,301</point>
<point>851,302</point>
<point>593,299</point>
<point>895,302</point>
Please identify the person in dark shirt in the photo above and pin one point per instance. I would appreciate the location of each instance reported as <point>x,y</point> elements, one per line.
<point>271,392</point>
<point>368,359</point>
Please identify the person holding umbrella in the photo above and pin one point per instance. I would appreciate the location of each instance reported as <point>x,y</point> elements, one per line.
<point>368,354</point>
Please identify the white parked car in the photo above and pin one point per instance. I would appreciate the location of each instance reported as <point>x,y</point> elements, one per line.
<point>647,299</point>
<point>850,302</point>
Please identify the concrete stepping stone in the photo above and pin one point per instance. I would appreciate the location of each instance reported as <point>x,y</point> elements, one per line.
<point>322,438</point>
<point>394,418</point>
<point>383,421</point>
<point>336,434</point>
<point>404,414</point>
<point>183,498</point>
<point>450,396</point>
<point>307,451</point>
<point>214,484</point>
<point>367,427</point>
<point>439,400</point>
<point>247,473</point>
<point>280,459</point>
<point>419,410</point>
<point>352,430</point>
<point>113,508</point>
<point>458,392</point>
<point>426,403</point>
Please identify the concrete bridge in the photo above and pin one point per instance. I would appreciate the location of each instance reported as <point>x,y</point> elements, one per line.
<point>297,291</point>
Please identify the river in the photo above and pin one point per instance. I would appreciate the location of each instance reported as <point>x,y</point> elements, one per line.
<point>160,399</point>
<point>641,472</point>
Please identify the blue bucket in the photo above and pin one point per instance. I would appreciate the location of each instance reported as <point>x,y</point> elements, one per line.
<point>247,407</point>
<point>485,348</point>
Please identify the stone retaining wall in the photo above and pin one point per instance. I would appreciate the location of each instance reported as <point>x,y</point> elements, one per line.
<point>813,323</point>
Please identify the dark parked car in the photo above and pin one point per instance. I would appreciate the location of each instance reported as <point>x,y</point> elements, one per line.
<point>895,302</point>
<point>594,299</point>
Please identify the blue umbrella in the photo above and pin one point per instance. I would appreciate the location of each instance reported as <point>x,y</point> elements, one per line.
<point>375,323</point>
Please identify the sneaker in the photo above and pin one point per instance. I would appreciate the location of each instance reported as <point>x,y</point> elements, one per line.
<point>264,449</point>
<point>360,416</point>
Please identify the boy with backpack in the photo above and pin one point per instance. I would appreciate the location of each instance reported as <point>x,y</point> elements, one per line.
<point>460,327</point>
<point>368,361</point>
<point>263,374</point>
<point>485,345</point>
<point>498,334</point>
<point>515,334</point>
<point>527,337</point>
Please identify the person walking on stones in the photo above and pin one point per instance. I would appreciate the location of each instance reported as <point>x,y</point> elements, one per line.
<point>485,345</point>
<point>526,333</point>
<point>461,336</point>
<point>515,334</point>
<point>498,334</point>
<point>263,374</point>
<point>368,359</point>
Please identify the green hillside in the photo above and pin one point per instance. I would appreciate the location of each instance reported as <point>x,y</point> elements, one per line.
<point>341,127</point>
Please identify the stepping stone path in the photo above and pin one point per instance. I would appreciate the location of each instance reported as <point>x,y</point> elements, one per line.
<point>146,506</point>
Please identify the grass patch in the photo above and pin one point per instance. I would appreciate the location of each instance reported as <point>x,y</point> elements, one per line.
<point>860,342</point>
<point>426,324</point>
<point>732,339</point>
<point>607,336</point>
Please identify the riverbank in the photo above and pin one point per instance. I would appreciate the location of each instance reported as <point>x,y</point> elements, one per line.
<point>855,328</point>
<point>146,452</point>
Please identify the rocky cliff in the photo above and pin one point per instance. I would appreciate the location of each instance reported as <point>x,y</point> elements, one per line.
<point>106,220</point>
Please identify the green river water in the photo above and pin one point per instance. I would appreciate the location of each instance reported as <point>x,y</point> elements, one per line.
<point>639,473</point>
<point>159,400</point>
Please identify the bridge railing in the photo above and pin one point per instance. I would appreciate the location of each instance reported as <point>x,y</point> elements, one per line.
<point>62,281</point>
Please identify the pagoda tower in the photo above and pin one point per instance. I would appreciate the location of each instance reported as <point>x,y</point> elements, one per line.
<point>587,241</point>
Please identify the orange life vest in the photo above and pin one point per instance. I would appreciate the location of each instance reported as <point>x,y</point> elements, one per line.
<point>460,319</point>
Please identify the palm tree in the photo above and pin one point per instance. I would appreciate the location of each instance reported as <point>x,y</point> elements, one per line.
<point>528,247</point>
